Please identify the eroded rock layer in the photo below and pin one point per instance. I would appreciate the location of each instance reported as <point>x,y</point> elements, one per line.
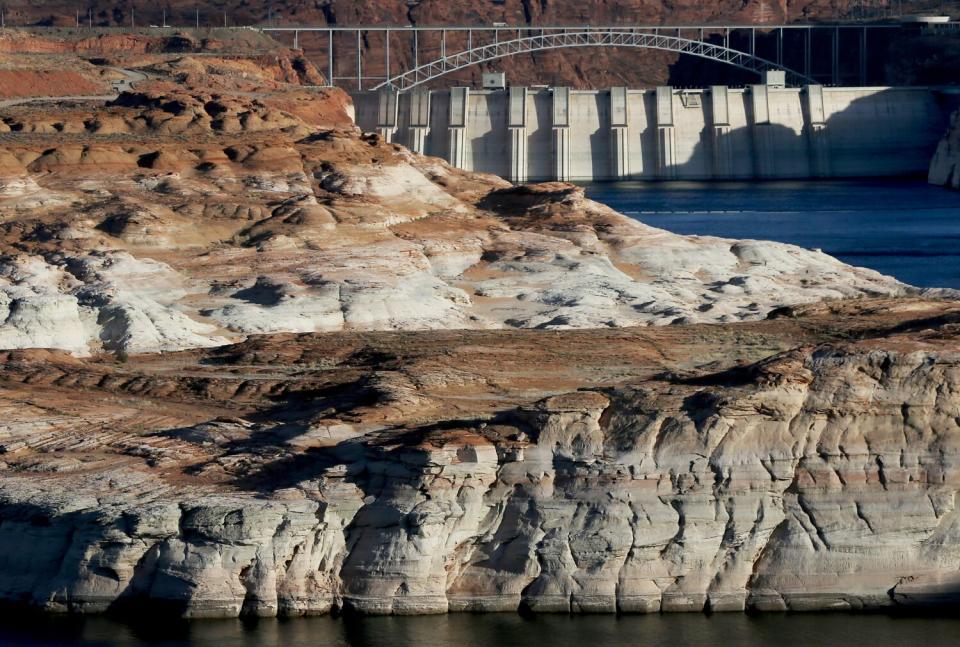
<point>207,203</point>
<point>259,363</point>
<point>805,462</point>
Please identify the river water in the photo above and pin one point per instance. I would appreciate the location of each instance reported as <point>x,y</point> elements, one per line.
<point>904,228</point>
<point>496,630</point>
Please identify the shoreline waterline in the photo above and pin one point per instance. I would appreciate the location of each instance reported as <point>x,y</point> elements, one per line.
<point>502,629</point>
<point>893,226</point>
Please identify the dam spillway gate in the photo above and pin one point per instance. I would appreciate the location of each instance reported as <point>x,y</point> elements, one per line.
<point>719,133</point>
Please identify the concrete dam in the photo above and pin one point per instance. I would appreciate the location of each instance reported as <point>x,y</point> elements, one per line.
<point>763,131</point>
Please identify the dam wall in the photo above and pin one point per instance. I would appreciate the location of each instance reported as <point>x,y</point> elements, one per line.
<point>758,132</point>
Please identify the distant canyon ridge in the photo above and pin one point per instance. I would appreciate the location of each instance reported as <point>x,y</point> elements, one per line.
<point>427,12</point>
<point>903,61</point>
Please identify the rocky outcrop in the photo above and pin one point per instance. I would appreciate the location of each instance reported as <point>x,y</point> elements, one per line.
<point>193,211</point>
<point>945,165</point>
<point>493,419</point>
<point>822,477</point>
<point>55,64</point>
<point>132,41</point>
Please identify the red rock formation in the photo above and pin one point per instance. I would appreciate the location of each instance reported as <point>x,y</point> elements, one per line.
<point>34,83</point>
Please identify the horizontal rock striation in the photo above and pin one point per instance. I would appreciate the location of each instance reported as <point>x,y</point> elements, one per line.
<point>259,363</point>
<point>206,205</point>
<point>823,477</point>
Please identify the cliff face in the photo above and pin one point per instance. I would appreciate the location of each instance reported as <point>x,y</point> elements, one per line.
<point>493,417</point>
<point>945,165</point>
<point>823,477</point>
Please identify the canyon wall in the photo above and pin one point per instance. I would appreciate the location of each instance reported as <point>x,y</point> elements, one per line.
<point>821,478</point>
<point>521,399</point>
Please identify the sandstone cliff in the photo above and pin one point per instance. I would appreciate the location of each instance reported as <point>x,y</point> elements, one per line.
<point>391,474</point>
<point>945,165</point>
<point>490,419</point>
<point>213,201</point>
<point>51,65</point>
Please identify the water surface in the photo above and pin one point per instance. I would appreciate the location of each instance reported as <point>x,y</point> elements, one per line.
<point>496,630</point>
<point>904,228</point>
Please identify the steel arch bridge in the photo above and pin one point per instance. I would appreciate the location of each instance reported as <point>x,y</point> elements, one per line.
<point>585,38</point>
<point>413,55</point>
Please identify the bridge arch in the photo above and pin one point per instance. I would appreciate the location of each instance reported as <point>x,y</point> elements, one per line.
<point>581,37</point>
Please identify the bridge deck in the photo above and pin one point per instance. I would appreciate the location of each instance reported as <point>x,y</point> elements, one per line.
<point>489,27</point>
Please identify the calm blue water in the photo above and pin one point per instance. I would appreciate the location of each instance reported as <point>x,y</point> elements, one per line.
<point>498,630</point>
<point>907,229</point>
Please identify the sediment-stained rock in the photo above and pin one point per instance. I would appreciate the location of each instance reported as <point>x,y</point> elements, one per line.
<point>475,412</point>
<point>822,477</point>
<point>192,211</point>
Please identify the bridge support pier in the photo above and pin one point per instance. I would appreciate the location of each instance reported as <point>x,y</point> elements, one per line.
<point>561,134</point>
<point>387,109</point>
<point>817,132</point>
<point>517,125</point>
<point>419,120</point>
<point>720,114</point>
<point>763,144</point>
<point>457,130</point>
<point>666,135</point>
<point>619,136</point>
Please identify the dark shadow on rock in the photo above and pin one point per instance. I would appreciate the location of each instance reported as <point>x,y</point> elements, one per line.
<point>520,199</point>
<point>403,446</point>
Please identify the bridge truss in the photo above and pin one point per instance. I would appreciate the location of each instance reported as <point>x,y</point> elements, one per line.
<point>412,56</point>
<point>588,38</point>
